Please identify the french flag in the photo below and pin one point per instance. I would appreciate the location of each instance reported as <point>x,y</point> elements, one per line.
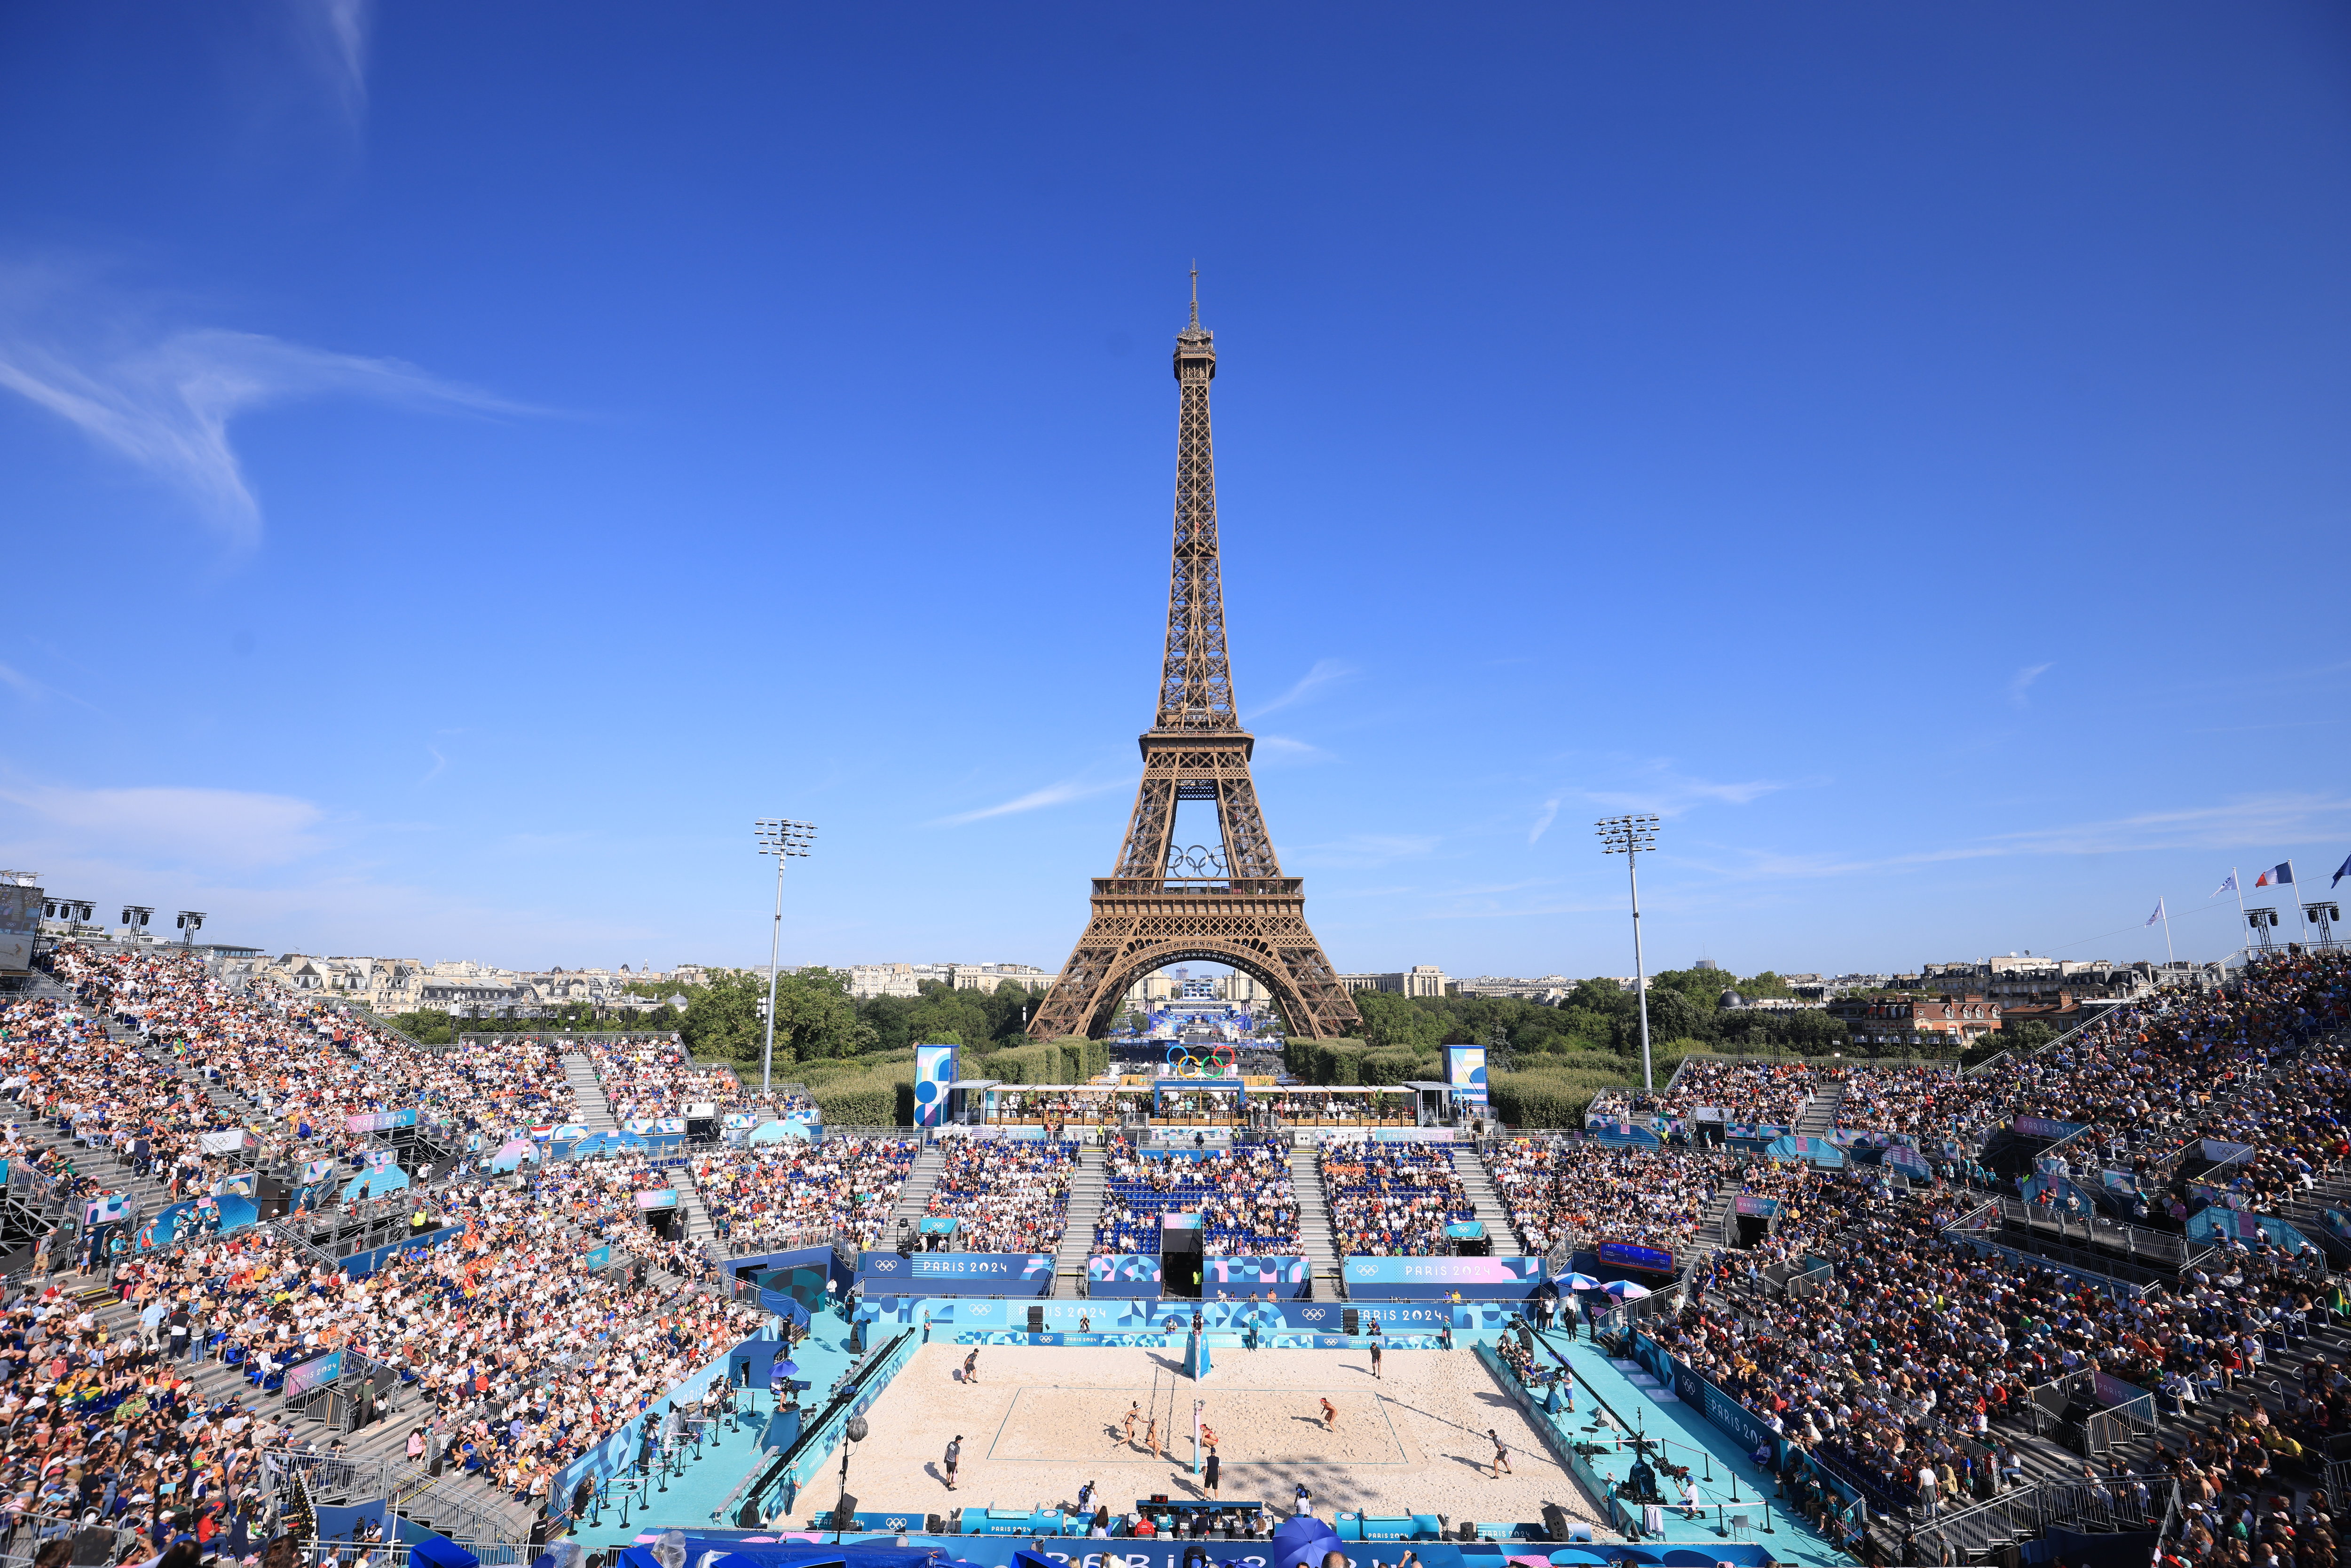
<point>2283,873</point>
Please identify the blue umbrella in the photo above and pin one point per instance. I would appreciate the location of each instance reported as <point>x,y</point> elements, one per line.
<point>785,1367</point>
<point>1573,1281</point>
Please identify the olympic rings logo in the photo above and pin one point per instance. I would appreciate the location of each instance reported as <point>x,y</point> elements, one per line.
<point>1218,1061</point>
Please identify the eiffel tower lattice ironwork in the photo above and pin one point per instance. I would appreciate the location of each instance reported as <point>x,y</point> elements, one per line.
<point>1167,903</point>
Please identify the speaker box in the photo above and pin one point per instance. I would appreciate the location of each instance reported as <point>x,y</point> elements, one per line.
<point>934,1526</point>
<point>1349,1322</point>
<point>1036,1320</point>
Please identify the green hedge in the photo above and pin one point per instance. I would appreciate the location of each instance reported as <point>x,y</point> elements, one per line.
<point>1082,1058</point>
<point>1334,1063</point>
<point>1039,1061</point>
<point>1532,1101</point>
<point>877,1099</point>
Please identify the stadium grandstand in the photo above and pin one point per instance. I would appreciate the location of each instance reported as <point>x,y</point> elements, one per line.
<point>270,1264</point>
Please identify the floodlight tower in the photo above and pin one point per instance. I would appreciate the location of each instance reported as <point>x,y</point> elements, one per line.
<point>783,838</point>
<point>1628,836</point>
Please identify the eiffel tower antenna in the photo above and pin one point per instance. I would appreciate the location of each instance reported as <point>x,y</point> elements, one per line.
<point>1168,903</point>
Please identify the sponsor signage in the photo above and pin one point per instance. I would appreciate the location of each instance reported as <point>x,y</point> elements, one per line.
<point>316,1373</point>
<point>1465,1069</point>
<point>935,1069</point>
<point>2043,1127</point>
<point>1907,1160</point>
<point>958,1273</point>
<point>380,1120</point>
<point>1486,1278</point>
<point>1748,1203</point>
<point>657,1197</point>
<point>2113,1390</point>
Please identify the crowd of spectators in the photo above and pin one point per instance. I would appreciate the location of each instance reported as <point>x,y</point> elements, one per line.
<point>1243,1196</point>
<point>540,1315</point>
<point>770,1195</point>
<point>649,1078</point>
<point>1759,1093</point>
<point>1564,1193</point>
<point>111,1433</point>
<point>1907,1365</point>
<point>1922,1106</point>
<point>1392,1199</point>
<point>1006,1195</point>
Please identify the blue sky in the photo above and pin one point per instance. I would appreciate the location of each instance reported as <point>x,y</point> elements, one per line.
<point>460,465</point>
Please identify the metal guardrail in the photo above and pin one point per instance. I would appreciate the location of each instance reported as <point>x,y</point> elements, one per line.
<point>2093,1506</point>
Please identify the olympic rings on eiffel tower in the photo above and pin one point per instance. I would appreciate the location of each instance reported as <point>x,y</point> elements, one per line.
<point>1203,1061</point>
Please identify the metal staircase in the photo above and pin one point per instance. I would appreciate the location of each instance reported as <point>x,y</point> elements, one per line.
<point>1086,1190</point>
<point>1315,1238</point>
<point>1487,1199</point>
<point>1819,1119</point>
<point>914,1198</point>
<point>592,1111</point>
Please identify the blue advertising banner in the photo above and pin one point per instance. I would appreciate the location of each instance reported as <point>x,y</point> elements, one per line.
<point>359,1265</point>
<point>1626,1255</point>
<point>1908,1161</point>
<point>2043,1127</point>
<point>1163,1551</point>
<point>1283,1277</point>
<point>958,1273</point>
<point>598,1258</point>
<point>1124,1274</point>
<point>618,1451</point>
<point>935,1069</point>
<point>316,1373</point>
<point>2234,1225</point>
<point>1409,1278</point>
<point>1119,1320</point>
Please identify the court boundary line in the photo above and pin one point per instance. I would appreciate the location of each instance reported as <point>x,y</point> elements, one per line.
<point>1379,1401</point>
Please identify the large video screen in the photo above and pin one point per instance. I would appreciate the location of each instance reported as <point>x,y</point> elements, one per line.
<point>20,921</point>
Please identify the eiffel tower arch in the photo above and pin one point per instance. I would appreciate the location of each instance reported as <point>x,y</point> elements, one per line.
<point>1223,903</point>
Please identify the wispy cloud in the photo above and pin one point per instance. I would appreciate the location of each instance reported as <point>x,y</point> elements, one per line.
<point>1289,748</point>
<point>2252,823</point>
<point>164,398</point>
<point>2249,821</point>
<point>2022,683</point>
<point>35,690</point>
<point>222,830</point>
<point>1543,820</point>
<point>439,762</point>
<point>1361,849</point>
<point>1068,790</point>
<point>1324,674</point>
<point>335,35</point>
<point>1670,792</point>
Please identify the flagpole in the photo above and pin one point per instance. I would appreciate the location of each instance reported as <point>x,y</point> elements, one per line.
<point>2163,910</point>
<point>2237,882</point>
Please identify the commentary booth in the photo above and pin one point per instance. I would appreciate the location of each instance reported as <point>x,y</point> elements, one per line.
<point>1199,1100</point>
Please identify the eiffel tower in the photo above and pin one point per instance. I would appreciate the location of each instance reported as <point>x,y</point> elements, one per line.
<point>1226,903</point>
